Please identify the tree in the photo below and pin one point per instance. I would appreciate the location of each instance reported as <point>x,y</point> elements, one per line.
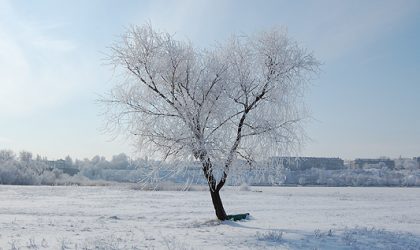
<point>25,156</point>
<point>7,155</point>
<point>239,100</point>
<point>68,161</point>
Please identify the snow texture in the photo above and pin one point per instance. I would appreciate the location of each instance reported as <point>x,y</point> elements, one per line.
<point>117,217</point>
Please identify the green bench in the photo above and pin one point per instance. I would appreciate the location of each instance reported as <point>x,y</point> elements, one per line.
<point>236,217</point>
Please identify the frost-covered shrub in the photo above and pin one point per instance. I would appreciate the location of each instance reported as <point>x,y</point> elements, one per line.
<point>373,238</point>
<point>172,243</point>
<point>409,180</point>
<point>272,235</point>
<point>319,234</point>
<point>302,180</point>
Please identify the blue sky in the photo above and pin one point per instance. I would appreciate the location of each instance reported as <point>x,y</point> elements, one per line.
<point>364,103</point>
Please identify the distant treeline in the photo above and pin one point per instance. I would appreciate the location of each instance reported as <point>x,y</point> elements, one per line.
<point>24,169</point>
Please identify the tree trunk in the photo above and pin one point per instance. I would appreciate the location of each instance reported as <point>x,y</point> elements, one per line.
<point>214,189</point>
<point>218,206</point>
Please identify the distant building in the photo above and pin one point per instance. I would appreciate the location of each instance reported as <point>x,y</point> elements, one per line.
<point>418,159</point>
<point>304,163</point>
<point>373,163</point>
<point>63,166</point>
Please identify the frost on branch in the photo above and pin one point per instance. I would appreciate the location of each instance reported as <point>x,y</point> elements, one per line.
<point>241,99</point>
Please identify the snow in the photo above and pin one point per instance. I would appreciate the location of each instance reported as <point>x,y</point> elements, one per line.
<point>117,217</point>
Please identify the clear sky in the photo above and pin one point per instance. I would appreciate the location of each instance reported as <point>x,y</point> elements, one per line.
<point>364,103</point>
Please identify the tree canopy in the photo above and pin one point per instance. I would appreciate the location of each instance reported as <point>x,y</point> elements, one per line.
<point>239,99</point>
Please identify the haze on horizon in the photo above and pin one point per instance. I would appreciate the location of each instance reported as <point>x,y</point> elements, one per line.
<point>364,103</point>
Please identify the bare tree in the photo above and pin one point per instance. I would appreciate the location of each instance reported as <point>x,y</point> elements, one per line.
<point>241,99</point>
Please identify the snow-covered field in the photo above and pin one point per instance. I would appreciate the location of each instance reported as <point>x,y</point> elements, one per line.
<point>43,217</point>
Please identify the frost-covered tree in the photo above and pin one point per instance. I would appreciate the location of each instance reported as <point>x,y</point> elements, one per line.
<point>68,161</point>
<point>240,99</point>
<point>120,161</point>
<point>25,156</point>
<point>7,155</point>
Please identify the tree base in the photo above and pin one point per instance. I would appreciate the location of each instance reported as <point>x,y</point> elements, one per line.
<point>236,217</point>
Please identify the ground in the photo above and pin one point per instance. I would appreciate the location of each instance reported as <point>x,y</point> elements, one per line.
<point>117,217</point>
